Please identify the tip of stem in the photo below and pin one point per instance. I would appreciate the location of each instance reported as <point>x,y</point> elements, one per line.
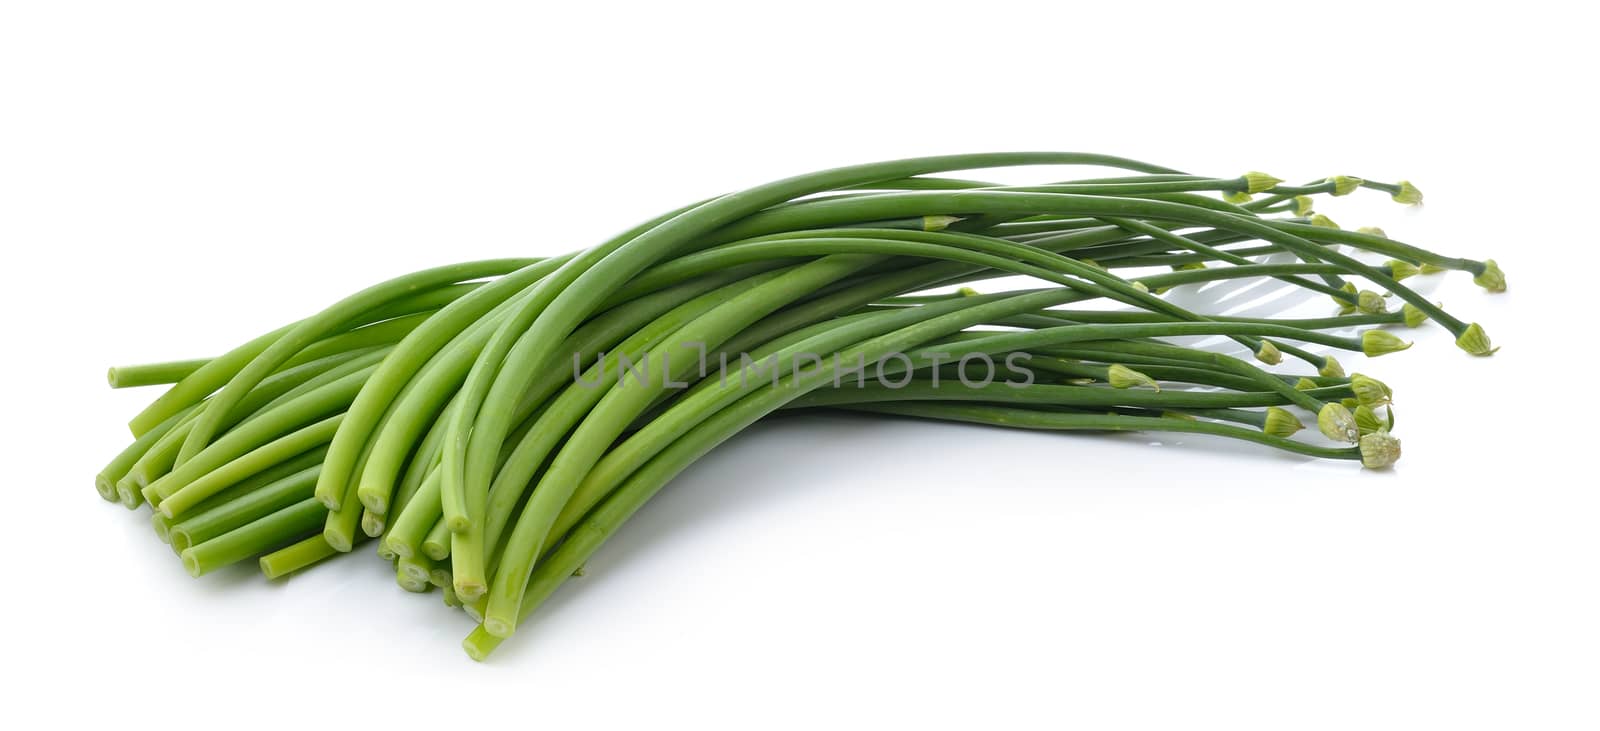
<point>398,548</point>
<point>498,626</point>
<point>106,486</point>
<point>339,541</point>
<point>190,563</point>
<point>470,590</point>
<point>479,644</point>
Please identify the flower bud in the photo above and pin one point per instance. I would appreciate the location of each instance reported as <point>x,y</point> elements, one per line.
<point>938,223</point>
<point>1323,221</point>
<point>1371,302</point>
<point>1373,231</point>
<point>1399,270</point>
<point>1281,423</point>
<point>1475,341</point>
<point>1492,278</point>
<point>1370,391</point>
<point>1330,367</point>
<point>1379,450</point>
<point>1408,194</point>
<point>1367,420</point>
<point>1305,384</point>
<point>1414,317</point>
<point>1344,184</point>
<point>1302,205</point>
<point>1237,198</point>
<point>1431,269</point>
<point>1381,342</point>
<point>1337,423</point>
<point>1269,353</point>
<point>1260,182</point>
<point>1121,376</point>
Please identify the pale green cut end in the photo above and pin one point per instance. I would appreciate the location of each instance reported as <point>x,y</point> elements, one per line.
<point>1408,194</point>
<point>1121,376</point>
<point>1337,423</point>
<point>1475,341</point>
<point>1492,278</point>
<point>1381,342</point>
<point>1379,450</point>
<point>1260,182</point>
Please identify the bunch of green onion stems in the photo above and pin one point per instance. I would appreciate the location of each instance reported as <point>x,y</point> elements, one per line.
<point>491,424</point>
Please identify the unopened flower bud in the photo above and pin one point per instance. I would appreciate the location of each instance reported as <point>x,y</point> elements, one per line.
<point>1492,278</point>
<point>1121,376</point>
<point>1381,342</point>
<point>1370,391</point>
<point>1269,353</point>
<point>1408,194</point>
<point>1281,423</point>
<point>1337,423</point>
<point>1399,270</point>
<point>1475,341</point>
<point>1379,450</point>
<point>1260,182</point>
<point>1344,184</point>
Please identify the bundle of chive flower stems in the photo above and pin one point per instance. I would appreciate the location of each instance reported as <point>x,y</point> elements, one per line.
<point>489,425</point>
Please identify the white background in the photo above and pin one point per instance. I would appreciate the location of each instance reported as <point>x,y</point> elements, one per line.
<point>177,177</point>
